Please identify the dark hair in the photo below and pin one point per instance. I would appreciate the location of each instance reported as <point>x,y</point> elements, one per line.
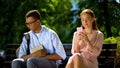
<point>91,13</point>
<point>33,13</point>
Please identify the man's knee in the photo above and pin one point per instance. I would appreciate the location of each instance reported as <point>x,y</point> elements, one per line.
<point>39,63</point>
<point>17,62</point>
<point>34,60</point>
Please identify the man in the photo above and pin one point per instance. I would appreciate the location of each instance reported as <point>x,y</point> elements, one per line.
<point>46,49</point>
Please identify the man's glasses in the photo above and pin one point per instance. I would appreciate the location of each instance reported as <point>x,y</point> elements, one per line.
<point>29,24</point>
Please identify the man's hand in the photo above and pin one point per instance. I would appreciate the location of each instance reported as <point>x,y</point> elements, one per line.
<point>39,53</point>
<point>42,52</point>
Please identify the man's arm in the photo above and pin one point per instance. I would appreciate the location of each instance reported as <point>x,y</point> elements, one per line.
<point>41,53</point>
<point>53,57</point>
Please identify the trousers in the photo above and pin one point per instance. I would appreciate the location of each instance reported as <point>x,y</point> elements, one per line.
<point>33,63</point>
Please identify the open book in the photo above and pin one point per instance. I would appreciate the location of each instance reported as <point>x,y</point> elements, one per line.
<point>37,48</point>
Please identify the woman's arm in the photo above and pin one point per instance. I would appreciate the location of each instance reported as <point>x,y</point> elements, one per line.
<point>75,43</point>
<point>97,46</point>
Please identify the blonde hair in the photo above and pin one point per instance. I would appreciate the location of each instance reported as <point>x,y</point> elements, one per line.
<point>91,13</point>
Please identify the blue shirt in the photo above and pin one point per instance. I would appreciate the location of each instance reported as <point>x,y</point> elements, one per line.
<point>46,37</point>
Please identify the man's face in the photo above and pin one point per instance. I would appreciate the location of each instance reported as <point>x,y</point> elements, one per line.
<point>31,23</point>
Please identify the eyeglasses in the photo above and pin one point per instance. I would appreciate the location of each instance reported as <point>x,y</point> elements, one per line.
<point>29,24</point>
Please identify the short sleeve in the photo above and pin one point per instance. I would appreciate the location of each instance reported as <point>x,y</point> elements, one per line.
<point>59,49</point>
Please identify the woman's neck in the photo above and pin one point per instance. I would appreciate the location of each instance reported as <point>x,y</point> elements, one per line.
<point>88,31</point>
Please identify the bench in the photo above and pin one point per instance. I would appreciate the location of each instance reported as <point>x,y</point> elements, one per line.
<point>107,58</point>
<point>10,52</point>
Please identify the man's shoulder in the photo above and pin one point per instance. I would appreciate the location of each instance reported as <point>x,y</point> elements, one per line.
<point>28,32</point>
<point>49,30</point>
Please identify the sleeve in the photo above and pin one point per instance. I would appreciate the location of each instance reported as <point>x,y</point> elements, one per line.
<point>59,49</point>
<point>75,41</point>
<point>23,47</point>
<point>98,45</point>
<point>72,50</point>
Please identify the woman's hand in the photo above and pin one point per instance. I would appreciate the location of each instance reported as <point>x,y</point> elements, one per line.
<point>83,36</point>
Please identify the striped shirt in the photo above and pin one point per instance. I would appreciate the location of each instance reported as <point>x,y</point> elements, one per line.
<point>46,37</point>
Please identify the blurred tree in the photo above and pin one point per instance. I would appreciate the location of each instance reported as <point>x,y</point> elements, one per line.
<point>54,14</point>
<point>107,13</point>
<point>58,15</point>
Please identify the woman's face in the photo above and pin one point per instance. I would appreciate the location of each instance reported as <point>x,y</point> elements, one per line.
<point>86,20</point>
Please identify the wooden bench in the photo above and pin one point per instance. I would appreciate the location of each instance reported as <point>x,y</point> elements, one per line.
<point>10,54</point>
<point>107,58</point>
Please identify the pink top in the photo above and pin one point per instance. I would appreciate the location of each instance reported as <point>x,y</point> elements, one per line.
<point>89,56</point>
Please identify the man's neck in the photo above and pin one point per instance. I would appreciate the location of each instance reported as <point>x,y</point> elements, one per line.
<point>38,29</point>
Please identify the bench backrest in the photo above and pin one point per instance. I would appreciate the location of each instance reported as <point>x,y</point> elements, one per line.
<point>106,58</point>
<point>108,55</point>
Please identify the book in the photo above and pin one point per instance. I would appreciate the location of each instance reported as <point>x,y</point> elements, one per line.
<point>40,47</point>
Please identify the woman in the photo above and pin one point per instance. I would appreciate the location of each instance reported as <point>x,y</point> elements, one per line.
<point>87,43</point>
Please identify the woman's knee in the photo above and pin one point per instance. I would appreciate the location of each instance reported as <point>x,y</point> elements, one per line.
<point>77,57</point>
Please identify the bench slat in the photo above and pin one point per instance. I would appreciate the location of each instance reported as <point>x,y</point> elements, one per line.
<point>109,46</point>
<point>108,53</point>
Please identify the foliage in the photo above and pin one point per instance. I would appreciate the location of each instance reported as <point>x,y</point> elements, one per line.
<point>117,41</point>
<point>107,15</point>
<point>57,15</point>
<point>110,40</point>
<point>118,51</point>
<point>113,40</point>
<point>13,12</point>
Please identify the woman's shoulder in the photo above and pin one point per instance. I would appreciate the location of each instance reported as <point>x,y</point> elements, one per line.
<point>99,32</point>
